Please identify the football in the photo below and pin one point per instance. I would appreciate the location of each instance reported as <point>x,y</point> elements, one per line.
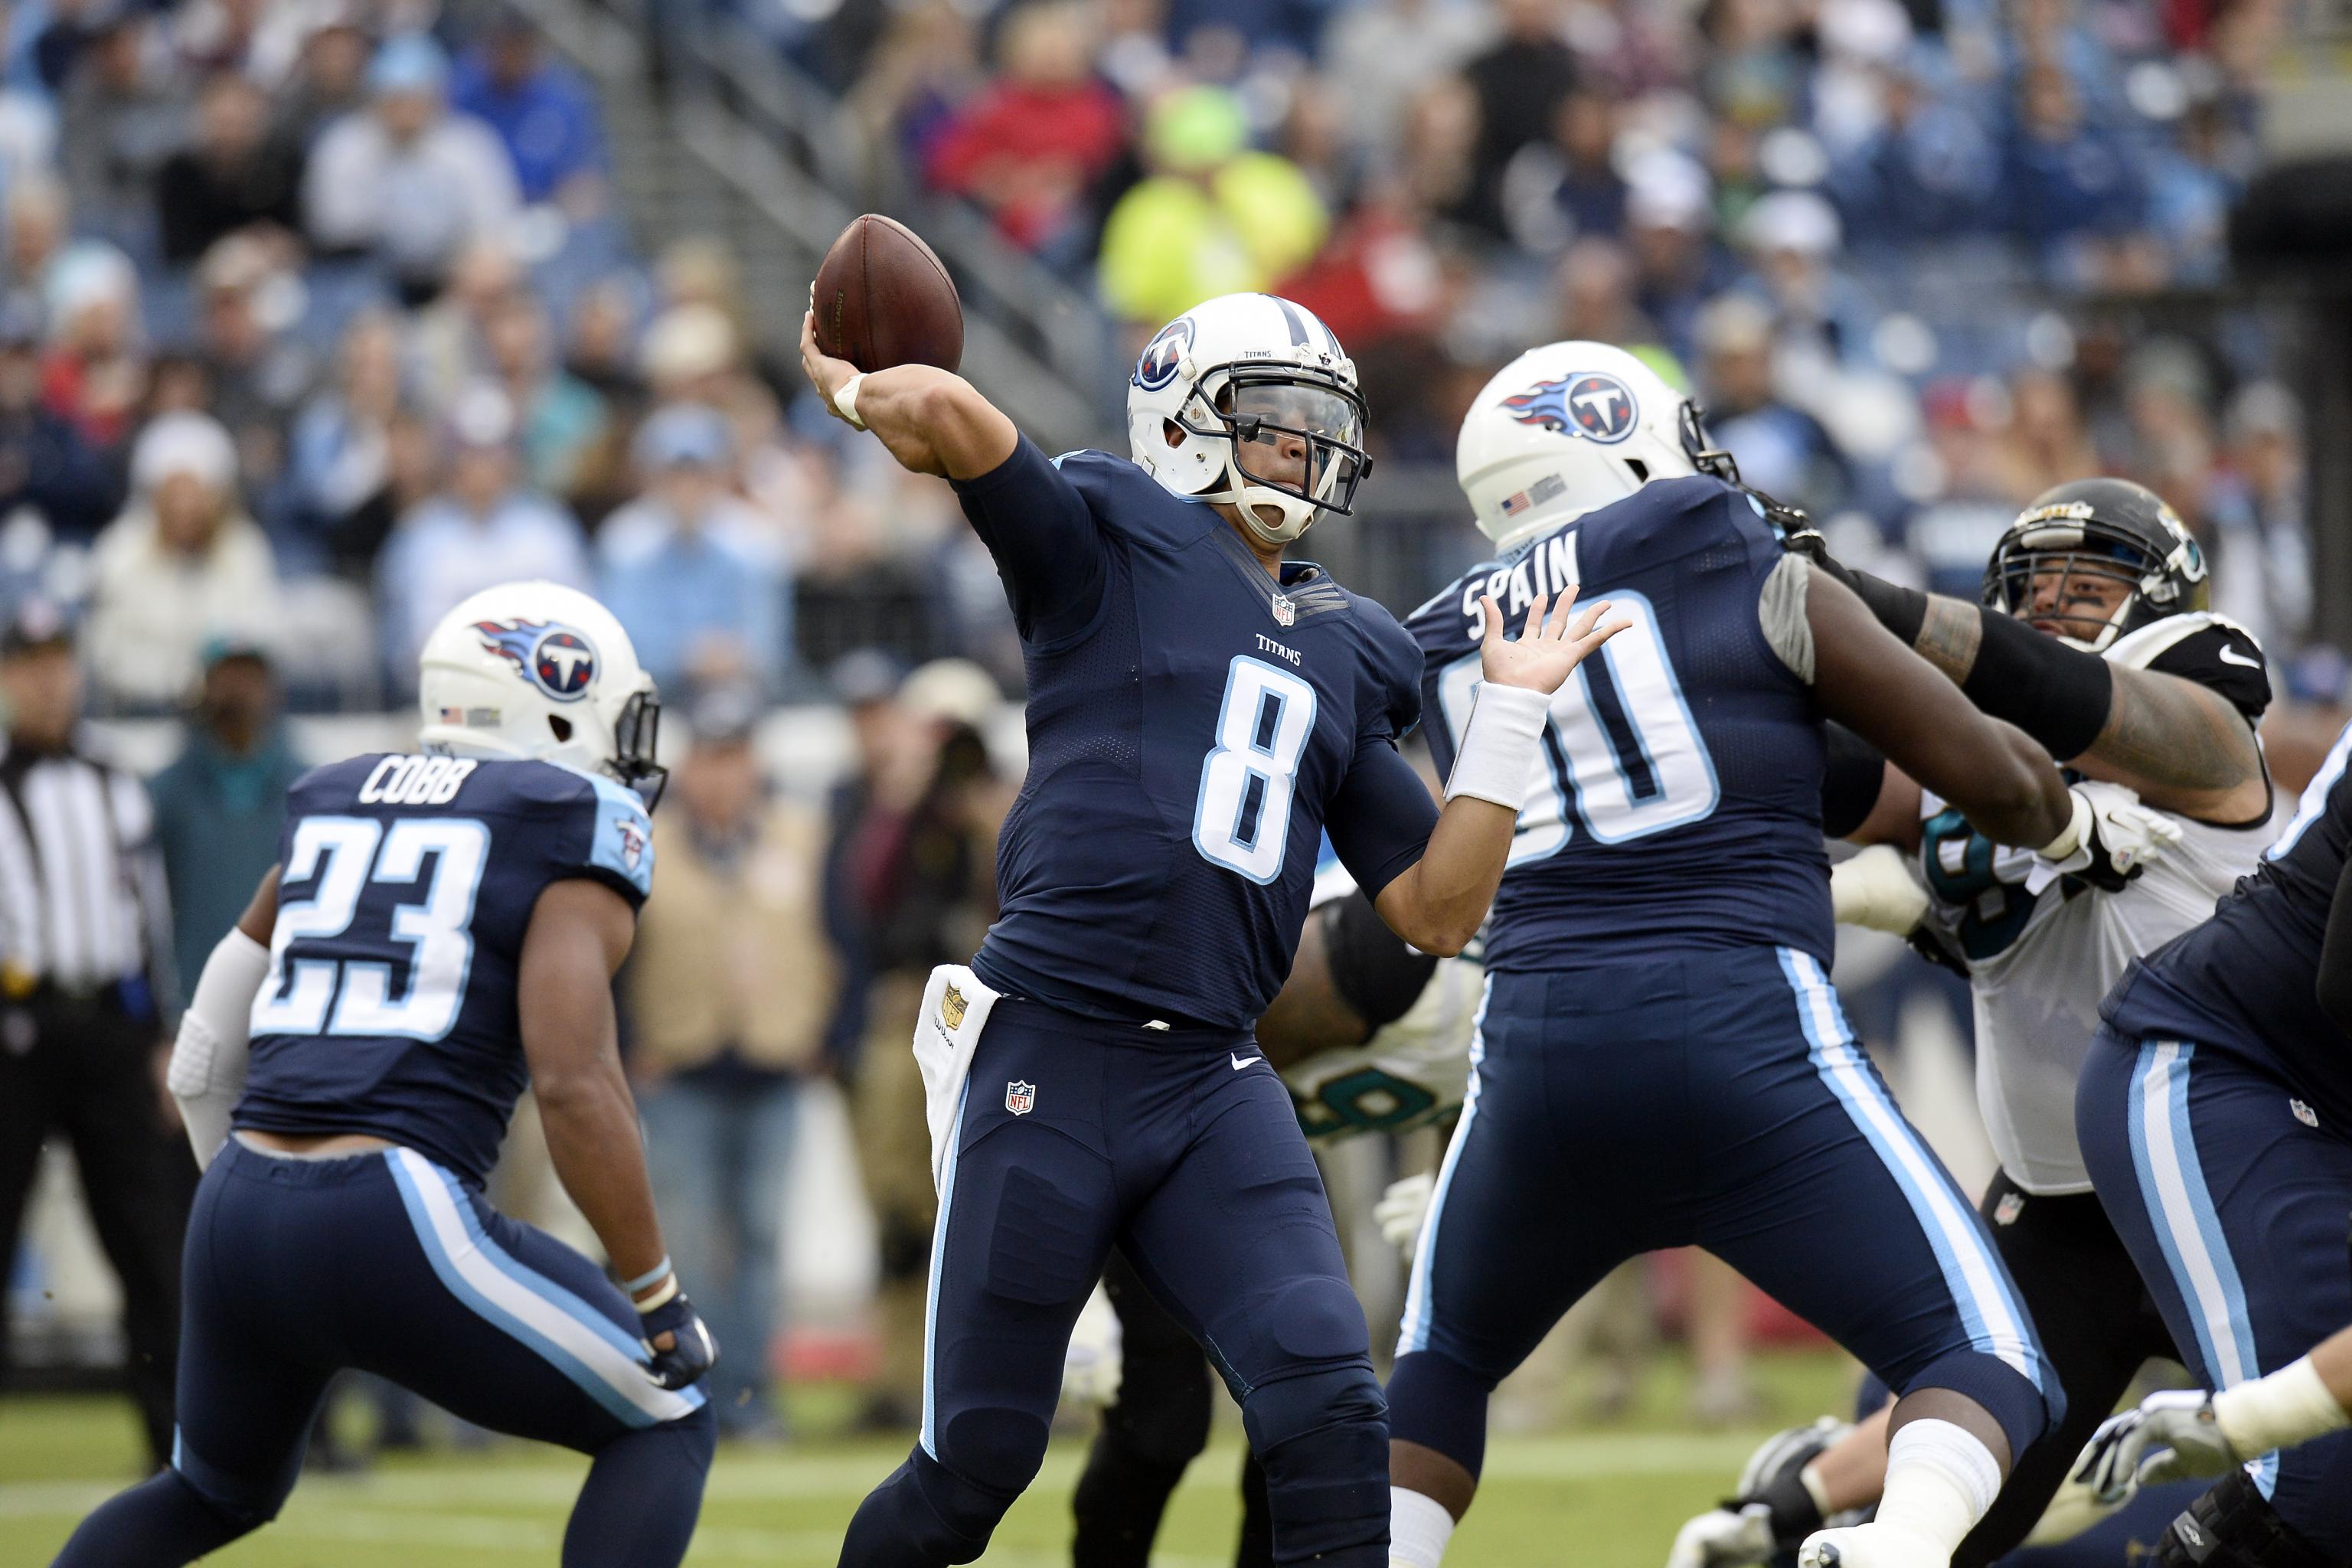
<point>883,298</point>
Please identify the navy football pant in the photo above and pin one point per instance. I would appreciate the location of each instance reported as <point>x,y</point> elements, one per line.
<point>1194,1167</point>
<point>1716,1101</point>
<point>2236,1209</point>
<point>297,1268</point>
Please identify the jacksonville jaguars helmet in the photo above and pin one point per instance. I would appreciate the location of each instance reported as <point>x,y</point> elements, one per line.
<point>1567,428</point>
<point>1223,379</point>
<point>539,670</point>
<point>2107,529</point>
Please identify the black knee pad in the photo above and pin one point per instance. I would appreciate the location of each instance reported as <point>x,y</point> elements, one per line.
<point>2234,1526</point>
<point>1323,1440</point>
<point>993,1450</point>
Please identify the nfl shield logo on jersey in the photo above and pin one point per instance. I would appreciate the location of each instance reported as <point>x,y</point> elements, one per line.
<point>1285,612</point>
<point>2005,1211</point>
<point>1020,1098</point>
<point>633,841</point>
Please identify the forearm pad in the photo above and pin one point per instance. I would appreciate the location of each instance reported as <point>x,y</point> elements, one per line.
<point>2057,694</point>
<point>206,1074</point>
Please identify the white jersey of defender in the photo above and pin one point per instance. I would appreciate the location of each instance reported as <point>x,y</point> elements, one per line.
<point>2037,998</point>
<point>1411,1072</point>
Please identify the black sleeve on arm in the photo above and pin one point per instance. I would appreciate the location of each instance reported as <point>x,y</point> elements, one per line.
<point>2224,659</point>
<point>1047,546</point>
<point>1377,972</point>
<point>2057,694</point>
<point>1855,773</point>
<point>1381,817</point>
<point>2335,985</point>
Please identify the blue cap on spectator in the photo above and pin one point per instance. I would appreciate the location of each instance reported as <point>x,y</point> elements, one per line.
<point>409,62</point>
<point>683,434</point>
<point>222,647</point>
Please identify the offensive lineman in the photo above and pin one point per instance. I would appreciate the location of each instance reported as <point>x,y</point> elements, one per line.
<point>1370,1034</point>
<point>2215,1114</point>
<point>1200,712</point>
<point>2092,636</point>
<point>1661,1060</point>
<point>440,930</point>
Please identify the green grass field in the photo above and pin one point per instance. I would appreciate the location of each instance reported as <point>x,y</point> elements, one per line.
<point>1606,1497</point>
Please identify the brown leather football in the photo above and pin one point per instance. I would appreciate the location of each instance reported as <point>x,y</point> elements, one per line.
<point>883,298</point>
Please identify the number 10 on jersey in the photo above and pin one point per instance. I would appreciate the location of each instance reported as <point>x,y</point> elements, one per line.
<point>1623,754</point>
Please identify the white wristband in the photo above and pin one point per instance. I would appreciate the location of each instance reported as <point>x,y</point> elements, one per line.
<point>2290,1406</point>
<point>1500,744</point>
<point>844,399</point>
<point>2077,828</point>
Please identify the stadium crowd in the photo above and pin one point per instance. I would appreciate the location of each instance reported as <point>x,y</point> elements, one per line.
<point>316,316</point>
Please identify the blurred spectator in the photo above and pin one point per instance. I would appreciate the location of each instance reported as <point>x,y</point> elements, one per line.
<point>258,374</point>
<point>2065,174</point>
<point>2047,443</point>
<point>1668,229</point>
<point>405,179</point>
<point>1387,52</point>
<point>486,527</point>
<point>330,78</point>
<point>235,172</point>
<point>695,574</point>
<point>44,464</point>
<point>446,339</point>
<point>542,111</point>
<point>690,353</point>
<point>184,563</point>
<point>120,118</point>
<point>560,415</point>
<point>39,232</point>
<point>1029,145</point>
<point>599,350</point>
<point>729,987</point>
<point>1783,450</point>
<point>1590,193</point>
<point>913,842</point>
<point>1595,296</point>
<point>1521,82</point>
<point>95,370</point>
<point>220,804</point>
<point>84,987</point>
<point>339,464</point>
<point>2259,531</point>
<point>1215,218</point>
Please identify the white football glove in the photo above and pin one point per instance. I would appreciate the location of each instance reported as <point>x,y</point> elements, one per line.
<point>1727,1537</point>
<point>2168,1436</point>
<point>2111,836</point>
<point>1402,1209</point>
<point>1876,889</point>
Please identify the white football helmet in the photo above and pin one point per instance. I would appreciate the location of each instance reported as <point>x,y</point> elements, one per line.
<point>1567,428</point>
<point>539,670</point>
<point>1227,377</point>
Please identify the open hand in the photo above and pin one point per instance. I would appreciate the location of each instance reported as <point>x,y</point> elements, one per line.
<point>1548,646</point>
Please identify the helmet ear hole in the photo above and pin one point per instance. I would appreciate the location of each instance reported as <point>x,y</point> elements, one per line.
<point>1172,432</point>
<point>563,728</point>
<point>1640,470</point>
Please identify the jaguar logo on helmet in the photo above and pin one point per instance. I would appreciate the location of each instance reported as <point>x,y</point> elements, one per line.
<point>1164,355</point>
<point>558,660</point>
<point>1592,406</point>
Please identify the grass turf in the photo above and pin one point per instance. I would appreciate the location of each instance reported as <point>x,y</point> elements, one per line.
<point>1605,1497</point>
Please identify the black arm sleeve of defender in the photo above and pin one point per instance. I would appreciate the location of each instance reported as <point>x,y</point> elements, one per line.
<point>2058,695</point>
<point>1376,972</point>
<point>1900,610</point>
<point>2335,985</point>
<point>1380,817</point>
<point>1850,781</point>
<point>1047,546</point>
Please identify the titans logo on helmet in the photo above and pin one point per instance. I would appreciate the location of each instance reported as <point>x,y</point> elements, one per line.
<point>555,659</point>
<point>1160,357</point>
<point>1591,407</point>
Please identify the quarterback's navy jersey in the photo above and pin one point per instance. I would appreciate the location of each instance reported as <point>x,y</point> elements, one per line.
<point>2246,982</point>
<point>406,885</point>
<point>1193,727</point>
<point>1678,803</point>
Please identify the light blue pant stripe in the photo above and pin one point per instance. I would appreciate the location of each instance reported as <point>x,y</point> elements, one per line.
<point>2188,1227</point>
<point>586,1378</point>
<point>1993,1318</point>
<point>1420,1310</point>
<point>939,1261</point>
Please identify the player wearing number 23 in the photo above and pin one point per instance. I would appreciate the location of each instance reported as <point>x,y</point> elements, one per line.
<point>1660,1059</point>
<point>1200,711</point>
<point>440,934</point>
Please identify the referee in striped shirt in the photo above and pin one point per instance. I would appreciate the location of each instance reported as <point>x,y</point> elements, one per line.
<point>84,985</point>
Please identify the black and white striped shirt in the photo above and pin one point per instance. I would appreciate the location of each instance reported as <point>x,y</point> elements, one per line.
<point>82,898</point>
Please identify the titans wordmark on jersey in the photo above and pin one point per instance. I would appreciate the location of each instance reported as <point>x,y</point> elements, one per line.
<point>406,885</point>
<point>1678,803</point>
